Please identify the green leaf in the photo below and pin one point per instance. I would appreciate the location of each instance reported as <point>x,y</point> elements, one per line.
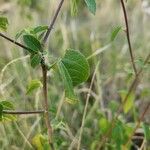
<point>69,93</point>
<point>76,65</point>
<point>33,85</point>
<point>129,102</point>
<point>39,29</point>
<point>1,112</point>
<point>31,42</point>
<point>7,105</point>
<point>115,33</point>
<point>104,125</point>
<point>3,23</point>
<point>38,141</point>
<point>146,128</point>
<point>91,4</point>
<point>18,34</point>
<point>74,70</point>
<point>35,60</point>
<point>118,134</point>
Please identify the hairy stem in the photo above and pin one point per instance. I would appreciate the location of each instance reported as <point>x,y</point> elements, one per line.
<point>14,42</point>
<point>46,107</point>
<point>128,36</point>
<point>53,22</point>
<point>44,72</point>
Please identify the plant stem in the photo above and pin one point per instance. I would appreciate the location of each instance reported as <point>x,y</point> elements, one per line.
<point>44,73</point>
<point>46,107</point>
<point>53,22</point>
<point>14,42</point>
<point>23,112</point>
<point>128,36</point>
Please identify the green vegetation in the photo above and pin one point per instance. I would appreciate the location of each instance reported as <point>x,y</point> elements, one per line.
<point>74,75</point>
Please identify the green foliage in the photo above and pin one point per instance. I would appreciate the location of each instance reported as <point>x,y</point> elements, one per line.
<point>39,141</point>
<point>31,38</point>
<point>33,85</point>
<point>6,105</point>
<point>1,111</point>
<point>129,102</point>
<point>3,23</point>
<point>76,65</point>
<point>69,93</point>
<point>104,125</point>
<point>115,33</point>
<point>146,128</point>
<point>35,60</point>
<point>74,70</point>
<point>120,134</point>
<point>35,31</point>
<point>91,4</point>
<point>33,43</point>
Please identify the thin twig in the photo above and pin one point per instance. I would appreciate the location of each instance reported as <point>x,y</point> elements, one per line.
<point>14,42</point>
<point>53,21</point>
<point>11,112</point>
<point>128,36</point>
<point>132,86</point>
<point>86,106</point>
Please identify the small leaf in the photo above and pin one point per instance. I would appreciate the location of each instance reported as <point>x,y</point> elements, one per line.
<point>38,141</point>
<point>20,33</point>
<point>115,33</point>
<point>35,60</point>
<point>104,125</point>
<point>129,102</point>
<point>76,65</point>
<point>33,85</point>
<point>7,105</point>
<point>69,93</point>
<point>1,112</point>
<point>31,42</point>
<point>91,4</point>
<point>39,29</point>
<point>3,23</point>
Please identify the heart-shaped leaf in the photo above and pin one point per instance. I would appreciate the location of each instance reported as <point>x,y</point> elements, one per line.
<point>76,65</point>
<point>74,70</point>
<point>33,43</point>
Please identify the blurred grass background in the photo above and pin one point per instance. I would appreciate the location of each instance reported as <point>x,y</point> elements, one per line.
<point>87,33</point>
